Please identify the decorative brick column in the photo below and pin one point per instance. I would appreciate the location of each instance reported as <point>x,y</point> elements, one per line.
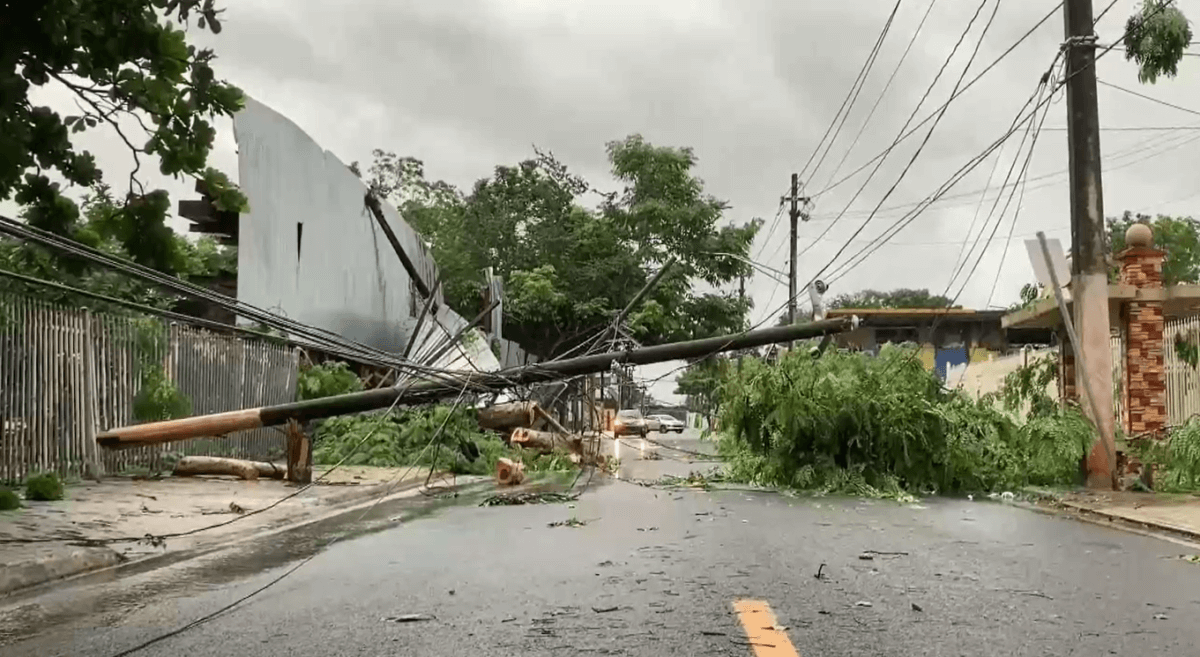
<point>1066,371</point>
<point>1145,394</point>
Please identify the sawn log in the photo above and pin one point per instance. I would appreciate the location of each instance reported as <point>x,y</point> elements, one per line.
<point>214,465</point>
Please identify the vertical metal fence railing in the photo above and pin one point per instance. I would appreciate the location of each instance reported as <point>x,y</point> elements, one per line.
<point>66,373</point>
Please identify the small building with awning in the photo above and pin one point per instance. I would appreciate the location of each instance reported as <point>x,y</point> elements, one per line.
<point>946,336</point>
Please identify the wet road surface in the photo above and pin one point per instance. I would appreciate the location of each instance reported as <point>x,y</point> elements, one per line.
<point>633,570</point>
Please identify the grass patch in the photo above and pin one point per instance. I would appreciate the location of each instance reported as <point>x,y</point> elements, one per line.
<point>46,487</point>
<point>9,500</point>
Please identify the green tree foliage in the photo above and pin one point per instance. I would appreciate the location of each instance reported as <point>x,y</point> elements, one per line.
<point>898,298</point>
<point>702,382</point>
<point>326,380</point>
<point>853,423</point>
<point>104,225</point>
<point>1156,38</point>
<point>444,437</point>
<point>1179,237</point>
<point>131,72</point>
<point>568,269</point>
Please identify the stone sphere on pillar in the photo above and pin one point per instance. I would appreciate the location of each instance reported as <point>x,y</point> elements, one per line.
<point>1139,234</point>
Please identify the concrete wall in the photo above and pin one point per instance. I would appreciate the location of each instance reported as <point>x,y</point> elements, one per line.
<point>984,376</point>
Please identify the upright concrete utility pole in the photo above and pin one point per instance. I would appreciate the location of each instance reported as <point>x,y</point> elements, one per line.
<point>742,298</point>
<point>794,214</point>
<point>1089,275</point>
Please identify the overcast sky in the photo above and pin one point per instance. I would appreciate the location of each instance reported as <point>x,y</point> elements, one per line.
<point>752,85</point>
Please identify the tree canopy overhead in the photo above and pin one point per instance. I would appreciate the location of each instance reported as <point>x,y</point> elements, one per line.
<point>132,73</point>
<point>1178,236</point>
<point>570,268</point>
<point>898,298</point>
<point>1156,37</point>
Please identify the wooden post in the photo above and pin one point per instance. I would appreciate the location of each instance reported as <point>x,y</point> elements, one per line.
<point>299,454</point>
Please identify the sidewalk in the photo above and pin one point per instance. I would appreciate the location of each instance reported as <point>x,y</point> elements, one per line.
<point>1176,514</point>
<point>45,541</point>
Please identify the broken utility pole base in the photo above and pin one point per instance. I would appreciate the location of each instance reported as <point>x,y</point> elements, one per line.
<point>451,384</point>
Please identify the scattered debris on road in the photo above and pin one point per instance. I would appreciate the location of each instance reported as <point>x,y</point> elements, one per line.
<point>569,522</point>
<point>604,610</point>
<point>820,574</point>
<point>863,603</point>
<point>916,607</point>
<point>409,618</point>
<point>528,497</point>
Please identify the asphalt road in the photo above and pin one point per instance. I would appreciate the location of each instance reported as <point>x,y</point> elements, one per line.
<point>658,572</point>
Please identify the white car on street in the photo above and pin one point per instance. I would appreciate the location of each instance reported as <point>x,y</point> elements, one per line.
<point>667,423</point>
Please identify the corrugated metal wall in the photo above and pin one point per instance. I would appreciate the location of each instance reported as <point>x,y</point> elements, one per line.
<point>311,251</point>
<point>67,372</point>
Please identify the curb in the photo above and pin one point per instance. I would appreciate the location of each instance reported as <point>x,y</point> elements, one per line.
<point>29,578</point>
<point>1117,519</point>
<point>1052,506</point>
<point>76,560</point>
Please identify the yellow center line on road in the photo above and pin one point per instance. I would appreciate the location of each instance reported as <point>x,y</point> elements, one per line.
<point>765,636</point>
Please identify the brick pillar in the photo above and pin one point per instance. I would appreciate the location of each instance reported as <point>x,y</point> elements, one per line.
<point>1066,372</point>
<point>1145,392</point>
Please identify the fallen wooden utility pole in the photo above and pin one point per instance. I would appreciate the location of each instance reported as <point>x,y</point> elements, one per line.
<point>452,384</point>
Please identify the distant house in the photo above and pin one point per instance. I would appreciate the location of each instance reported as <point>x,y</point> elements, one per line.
<point>946,336</point>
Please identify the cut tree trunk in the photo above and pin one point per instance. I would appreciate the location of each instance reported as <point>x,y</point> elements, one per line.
<point>299,454</point>
<point>214,465</point>
<point>507,416</point>
<point>509,472</point>
<point>545,441</point>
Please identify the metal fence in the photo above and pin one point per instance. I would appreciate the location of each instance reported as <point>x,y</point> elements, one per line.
<point>66,373</point>
<point>1182,380</point>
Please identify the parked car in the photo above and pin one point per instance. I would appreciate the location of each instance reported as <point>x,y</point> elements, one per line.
<point>667,423</point>
<point>630,423</point>
<point>652,424</point>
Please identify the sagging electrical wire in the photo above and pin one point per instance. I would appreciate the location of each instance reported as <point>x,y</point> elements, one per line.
<point>842,112</point>
<point>236,603</point>
<point>896,70</point>
<point>856,89</point>
<point>912,160</point>
<point>320,336</point>
<point>952,98</point>
<point>928,90</point>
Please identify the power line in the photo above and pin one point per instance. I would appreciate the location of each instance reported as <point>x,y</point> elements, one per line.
<point>863,71</point>
<point>1149,128</point>
<point>954,96</point>
<point>1149,98</point>
<point>911,116</point>
<point>852,95</point>
<point>1047,177</point>
<point>932,128</point>
<point>236,603</point>
<point>900,62</point>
